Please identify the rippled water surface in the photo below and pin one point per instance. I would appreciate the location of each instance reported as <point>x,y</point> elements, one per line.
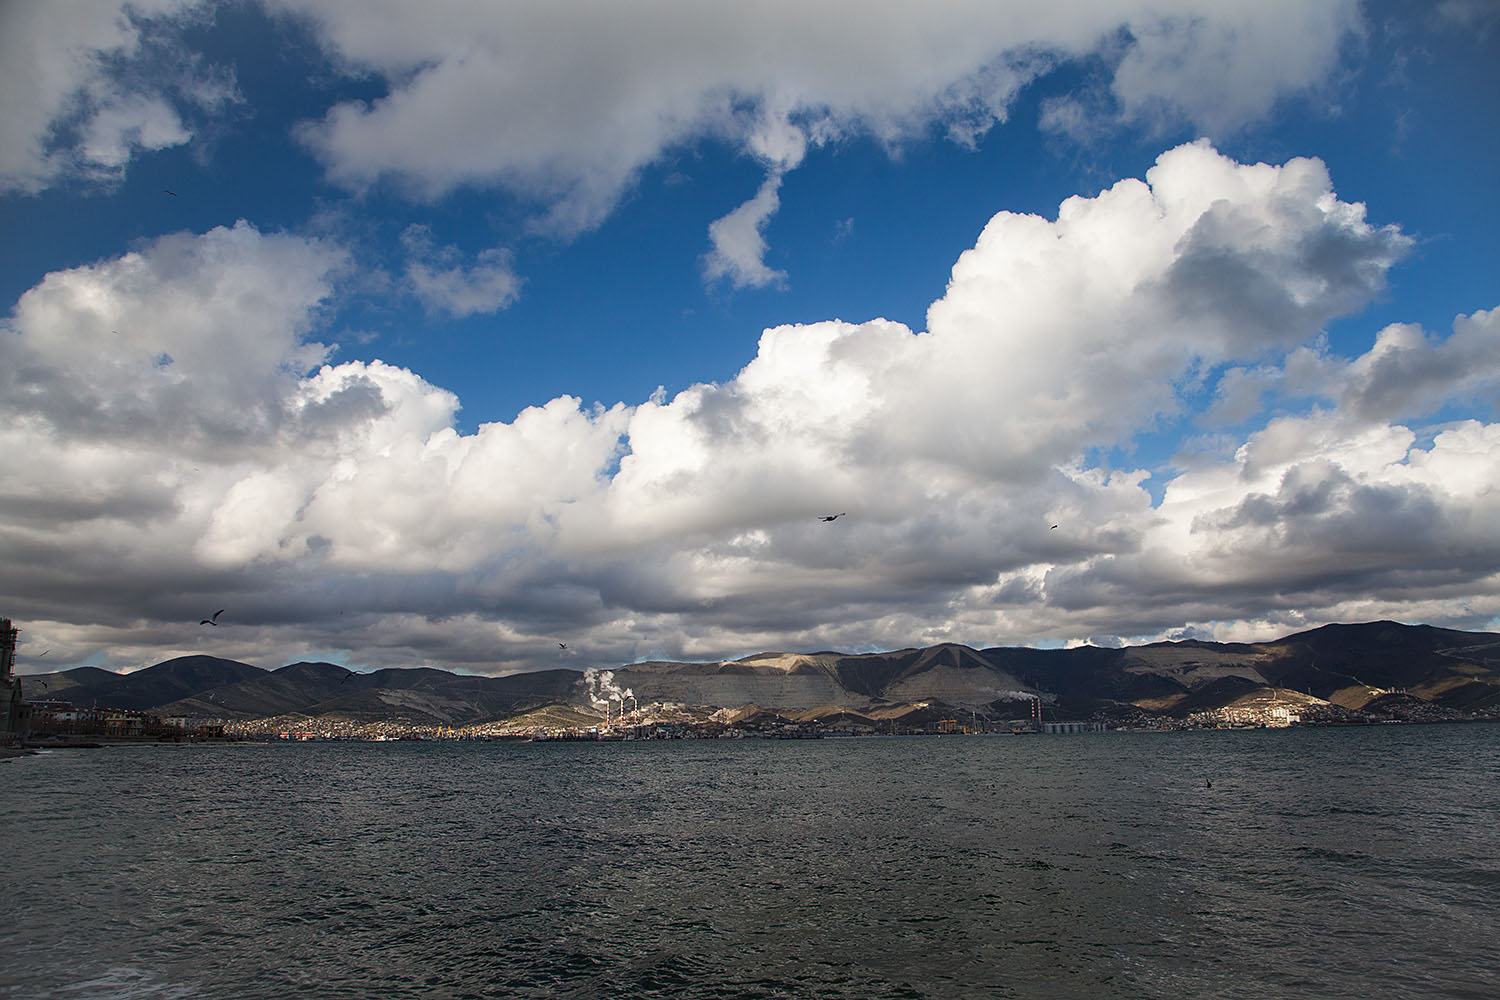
<point>1318,863</point>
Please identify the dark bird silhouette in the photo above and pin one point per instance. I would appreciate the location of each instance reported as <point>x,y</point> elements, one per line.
<point>214,620</point>
<point>1207,783</point>
<point>1053,528</point>
<point>562,645</point>
<point>43,653</point>
<point>831,517</point>
<point>170,192</point>
<point>347,674</point>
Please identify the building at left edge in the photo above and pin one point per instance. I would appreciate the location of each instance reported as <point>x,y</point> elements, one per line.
<point>10,685</point>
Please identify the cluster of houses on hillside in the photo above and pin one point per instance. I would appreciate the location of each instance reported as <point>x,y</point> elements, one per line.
<point>55,718</point>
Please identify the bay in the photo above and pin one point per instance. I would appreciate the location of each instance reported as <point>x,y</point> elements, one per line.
<point>1291,863</point>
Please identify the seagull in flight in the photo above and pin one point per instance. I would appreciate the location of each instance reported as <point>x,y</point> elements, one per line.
<point>214,620</point>
<point>562,645</point>
<point>1053,528</point>
<point>170,192</point>
<point>831,517</point>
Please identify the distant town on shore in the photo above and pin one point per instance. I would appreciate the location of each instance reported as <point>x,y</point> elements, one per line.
<point>1376,672</point>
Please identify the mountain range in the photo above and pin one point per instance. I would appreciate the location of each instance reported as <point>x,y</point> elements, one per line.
<point>1375,668</point>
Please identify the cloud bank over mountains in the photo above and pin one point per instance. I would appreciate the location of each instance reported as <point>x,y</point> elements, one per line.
<point>180,428</point>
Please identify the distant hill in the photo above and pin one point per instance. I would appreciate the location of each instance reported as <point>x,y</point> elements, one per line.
<point>947,673</point>
<point>142,690</point>
<point>1453,668</point>
<point>1381,654</point>
<point>418,696</point>
<point>1384,664</point>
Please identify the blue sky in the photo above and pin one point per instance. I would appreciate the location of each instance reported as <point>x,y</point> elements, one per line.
<point>462,332</point>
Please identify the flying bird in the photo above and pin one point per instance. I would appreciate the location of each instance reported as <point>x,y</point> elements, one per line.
<point>170,192</point>
<point>213,620</point>
<point>347,674</point>
<point>562,645</point>
<point>1053,528</point>
<point>831,517</point>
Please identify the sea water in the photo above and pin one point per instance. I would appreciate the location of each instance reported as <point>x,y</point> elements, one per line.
<point>1294,863</point>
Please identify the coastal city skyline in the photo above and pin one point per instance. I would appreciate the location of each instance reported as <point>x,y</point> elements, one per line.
<point>523,339</point>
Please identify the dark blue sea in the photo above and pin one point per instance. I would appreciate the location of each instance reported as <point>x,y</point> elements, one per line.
<point>1360,862</point>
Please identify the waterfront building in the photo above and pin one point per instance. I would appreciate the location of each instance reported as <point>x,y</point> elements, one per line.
<point>1073,727</point>
<point>10,685</point>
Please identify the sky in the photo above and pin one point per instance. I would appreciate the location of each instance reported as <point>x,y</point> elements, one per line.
<point>501,337</point>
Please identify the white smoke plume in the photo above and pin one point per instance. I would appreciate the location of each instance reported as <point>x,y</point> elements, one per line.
<point>601,689</point>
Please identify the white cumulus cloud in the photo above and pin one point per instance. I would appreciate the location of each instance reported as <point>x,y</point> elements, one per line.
<point>565,103</point>
<point>739,243</point>
<point>87,88</point>
<point>442,281</point>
